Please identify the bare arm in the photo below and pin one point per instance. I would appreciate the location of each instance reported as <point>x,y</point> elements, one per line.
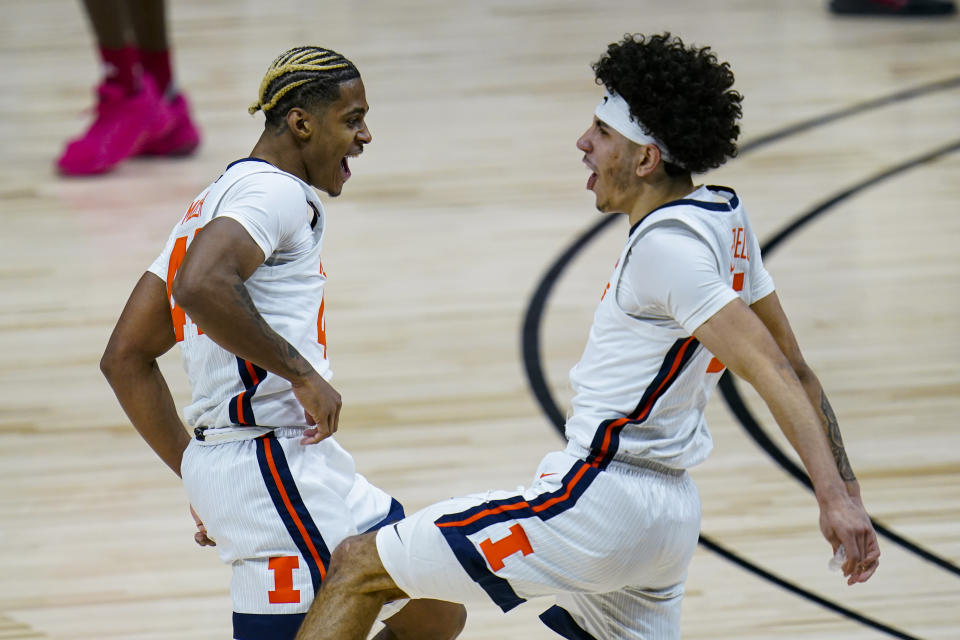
<point>143,333</point>
<point>738,337</point>
<point>771,313</point>
<point>209,286</point>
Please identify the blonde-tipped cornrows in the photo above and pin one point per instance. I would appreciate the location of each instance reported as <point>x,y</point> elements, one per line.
<point>295,68</point>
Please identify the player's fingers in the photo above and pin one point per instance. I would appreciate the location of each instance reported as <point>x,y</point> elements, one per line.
<point>336,419</point>
<point>868,571</point>
<point>200,537</point>
<point>851,544</point>
<point>310,418</point>
<point>314,435</point>
<point>871,557</point>
<point>331,424</point>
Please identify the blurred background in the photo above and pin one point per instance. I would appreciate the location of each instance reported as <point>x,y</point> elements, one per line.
<point>470,190</point>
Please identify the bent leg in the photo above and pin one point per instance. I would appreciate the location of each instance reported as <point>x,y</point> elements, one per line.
<point>355,588</point>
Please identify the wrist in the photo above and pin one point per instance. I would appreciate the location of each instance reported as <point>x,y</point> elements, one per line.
<point>831,495</point>
<point>303,377</point>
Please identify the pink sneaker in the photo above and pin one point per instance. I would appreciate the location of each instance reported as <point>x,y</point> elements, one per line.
<point>181,139</point>
<point>123,125</point>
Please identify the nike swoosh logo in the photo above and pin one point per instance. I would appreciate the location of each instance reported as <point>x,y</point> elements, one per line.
<point>544,475</point>
<point>397,531</point>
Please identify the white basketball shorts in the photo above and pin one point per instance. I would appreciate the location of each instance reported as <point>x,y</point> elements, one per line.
<point>276,510</point>
<point>612,545</point>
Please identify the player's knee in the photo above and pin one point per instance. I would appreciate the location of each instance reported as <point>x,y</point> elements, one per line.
<point>356,567</point>
<point>346,564</point>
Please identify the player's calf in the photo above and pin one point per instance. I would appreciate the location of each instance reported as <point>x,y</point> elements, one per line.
<point>426,620</point>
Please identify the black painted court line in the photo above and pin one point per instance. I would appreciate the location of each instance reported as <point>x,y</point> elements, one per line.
<point>846,112</point>
<point>800,591</point>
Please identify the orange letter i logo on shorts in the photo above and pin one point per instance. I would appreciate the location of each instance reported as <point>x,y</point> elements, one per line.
<point>282,568</point>
<point>495,552</point>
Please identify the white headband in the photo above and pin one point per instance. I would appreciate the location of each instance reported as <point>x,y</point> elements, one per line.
<point>615,111</point>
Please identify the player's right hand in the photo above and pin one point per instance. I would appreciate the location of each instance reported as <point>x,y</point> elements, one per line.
<point>321,407</point>
<point>845,522</point>
<point>200,537</point>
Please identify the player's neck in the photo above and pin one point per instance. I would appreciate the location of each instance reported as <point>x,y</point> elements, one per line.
<point>271,148</point>
<point>656,193</point>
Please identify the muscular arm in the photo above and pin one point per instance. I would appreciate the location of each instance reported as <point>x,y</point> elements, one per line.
<point>771,313</point>
<point>738,337</point>
<point>209,286</point>
<point>143,333</point>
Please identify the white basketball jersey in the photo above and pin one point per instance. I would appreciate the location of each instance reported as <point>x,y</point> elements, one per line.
<point>285,217</point>
<point>643,382</point>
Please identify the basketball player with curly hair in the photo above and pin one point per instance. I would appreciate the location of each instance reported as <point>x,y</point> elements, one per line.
<point>610,524</point>
<point>239,285</point>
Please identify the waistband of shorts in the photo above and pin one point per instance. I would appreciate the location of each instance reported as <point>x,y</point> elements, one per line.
<point>220,435</point>
<point>626,464</point>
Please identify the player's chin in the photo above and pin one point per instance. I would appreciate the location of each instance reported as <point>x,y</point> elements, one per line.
<point>335,191</point>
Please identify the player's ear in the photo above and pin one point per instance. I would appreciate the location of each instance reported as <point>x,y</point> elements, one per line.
<point>648,157</point>
<point>300,123</point>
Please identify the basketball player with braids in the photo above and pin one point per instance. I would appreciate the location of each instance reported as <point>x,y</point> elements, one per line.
<point>239,285</point>
<point>610,524</point>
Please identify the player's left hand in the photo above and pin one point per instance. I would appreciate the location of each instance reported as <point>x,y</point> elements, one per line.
<point>846,522</point>
<point>321,407</point>
<point>200,537</point>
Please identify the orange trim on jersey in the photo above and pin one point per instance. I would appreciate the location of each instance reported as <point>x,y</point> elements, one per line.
<point>646,409</point>
<point>715,366</point>
<point>240,417</point>
<point>290,510</point>
<point>253,374</point>
<point>520,505</point>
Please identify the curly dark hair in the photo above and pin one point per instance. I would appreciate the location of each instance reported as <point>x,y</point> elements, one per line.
<point>681,95</point>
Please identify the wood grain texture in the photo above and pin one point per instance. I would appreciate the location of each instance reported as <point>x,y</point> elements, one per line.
<point>470,189</point>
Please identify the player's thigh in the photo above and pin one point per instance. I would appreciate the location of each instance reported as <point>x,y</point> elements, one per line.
<point>260,496</point>
<point>371,507</point>
<point>275,516</point>
<point>576,529</point>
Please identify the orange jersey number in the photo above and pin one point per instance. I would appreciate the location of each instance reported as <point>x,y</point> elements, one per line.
<point>176,259</point>
<point>321,321</point>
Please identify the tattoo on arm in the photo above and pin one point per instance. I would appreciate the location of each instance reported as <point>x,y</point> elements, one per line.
<point>836,442</point>
<point>288,353</point>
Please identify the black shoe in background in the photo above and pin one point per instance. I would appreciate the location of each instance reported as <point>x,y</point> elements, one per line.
<point>893,7</point>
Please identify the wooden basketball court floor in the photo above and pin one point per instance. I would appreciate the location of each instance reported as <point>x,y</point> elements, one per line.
<point>471,189</point>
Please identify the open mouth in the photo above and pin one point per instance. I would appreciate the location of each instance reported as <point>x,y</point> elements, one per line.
<point>345,163</point>
<point>592,180</point>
